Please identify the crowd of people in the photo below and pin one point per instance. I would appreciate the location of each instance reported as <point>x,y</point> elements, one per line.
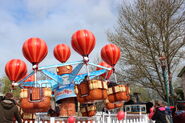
<point>160,113</point>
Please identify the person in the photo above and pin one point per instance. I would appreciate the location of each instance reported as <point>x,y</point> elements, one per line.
<point>1,97</point>
<point>159,113</point>
<point>54,113</point>
<point>9,110</point>
<point>179,116</point>
<point>149,105</point>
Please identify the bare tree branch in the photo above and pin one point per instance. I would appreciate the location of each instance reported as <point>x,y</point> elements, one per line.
<point>145,30</point>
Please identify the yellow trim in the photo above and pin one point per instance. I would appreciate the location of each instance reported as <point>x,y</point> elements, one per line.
<point>76,90</point>
<point>89,108</point>
<point>47,92</point>
<point>106,101</point>
<point>94,84</point>
<point>82,110</point>
<point>118,88</point>
<point>24,93</point>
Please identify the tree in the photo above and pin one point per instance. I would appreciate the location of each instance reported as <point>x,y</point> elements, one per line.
<point>7,87</point>
<point>145,29</point>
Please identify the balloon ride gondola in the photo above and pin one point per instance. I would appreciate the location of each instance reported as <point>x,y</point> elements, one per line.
<point>88,110</point>
<point>67,85</point>
<point>91,90</point>
<point>117,94</point>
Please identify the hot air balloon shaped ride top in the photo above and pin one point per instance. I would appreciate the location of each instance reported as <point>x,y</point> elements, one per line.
<point>83,42</point>
<point>62,52</point>
<point>34,50</point>
<point>110,53</point>
<point>15,69</point>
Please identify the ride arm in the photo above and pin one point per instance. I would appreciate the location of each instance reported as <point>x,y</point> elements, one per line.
<point>93,74</point>
<point>51,75</point>
<point>42,83</point>
<point>59,65</point>
<point>75,72</point>
<point>21,83</point>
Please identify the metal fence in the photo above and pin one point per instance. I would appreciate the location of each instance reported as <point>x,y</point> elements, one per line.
<point>99,118</point>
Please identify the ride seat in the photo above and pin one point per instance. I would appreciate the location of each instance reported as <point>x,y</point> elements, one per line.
<point>35,94</point>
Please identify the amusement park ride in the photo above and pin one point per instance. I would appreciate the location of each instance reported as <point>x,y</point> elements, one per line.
<point>67,84</point>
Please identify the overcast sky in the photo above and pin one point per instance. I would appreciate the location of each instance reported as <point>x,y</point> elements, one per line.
<point>54,21</point>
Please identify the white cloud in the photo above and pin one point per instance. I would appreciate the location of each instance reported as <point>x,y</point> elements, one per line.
<point>54,21</point>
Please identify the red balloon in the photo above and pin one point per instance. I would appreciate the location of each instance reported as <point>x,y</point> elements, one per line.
<point>34,50</point>
<point>107,74</point>
<point>62,52</point>
<point>120,115</point>
<point>110,53</point>
<point>83,42</point>
<point>71,119</point>
<point>30,79</point>
<point>15,69</point>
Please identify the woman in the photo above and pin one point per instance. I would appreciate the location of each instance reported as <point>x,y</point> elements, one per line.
<point>159,113</point>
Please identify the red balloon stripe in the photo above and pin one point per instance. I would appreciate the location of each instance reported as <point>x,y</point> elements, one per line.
<point>9,71</point>
<point>80,46</point>
<point>105,55</point>
<point>75,44</point>
<point>110,54</point>
<point>35,50</point>
<point>43,50</point>
<point>62,52</point>
<point>86,43</point>
<point>66,53</point>
<point>83,41</point>
<point>21,71</point>
<point>91,43</point>
<point>108,57</point>
<point>15,69</point>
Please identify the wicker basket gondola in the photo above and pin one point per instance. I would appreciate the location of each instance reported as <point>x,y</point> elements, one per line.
<point>111,106</point>
<point>35,99</point>
<point>91,90</point>
<point>88,110</point>
<point>118,93</point>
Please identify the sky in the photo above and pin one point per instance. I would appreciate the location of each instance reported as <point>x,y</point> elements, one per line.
<point>54,21</point>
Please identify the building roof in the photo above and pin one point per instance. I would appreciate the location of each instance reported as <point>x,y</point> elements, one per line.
<point>181,72</point>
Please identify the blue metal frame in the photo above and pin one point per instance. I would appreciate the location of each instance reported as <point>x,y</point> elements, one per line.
<point>61,82</point>
<point>60,65</point>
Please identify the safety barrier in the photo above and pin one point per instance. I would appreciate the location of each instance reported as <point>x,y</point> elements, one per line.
<point>100,118</point>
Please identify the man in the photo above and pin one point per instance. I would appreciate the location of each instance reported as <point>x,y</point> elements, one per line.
<point>179,116</point>
<point>9,110</point>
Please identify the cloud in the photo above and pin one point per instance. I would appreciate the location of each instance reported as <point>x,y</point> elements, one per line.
<point>54,21</point>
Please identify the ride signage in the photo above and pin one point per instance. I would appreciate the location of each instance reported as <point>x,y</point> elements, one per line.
<point>66,91</point>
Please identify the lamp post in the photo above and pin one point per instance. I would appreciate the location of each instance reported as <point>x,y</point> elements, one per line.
<point>171,89</point>
<point>163,66</point>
